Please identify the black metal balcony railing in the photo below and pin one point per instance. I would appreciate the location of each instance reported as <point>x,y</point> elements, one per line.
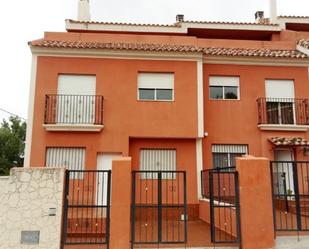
<point>283,111</point>
<point>73,109</point>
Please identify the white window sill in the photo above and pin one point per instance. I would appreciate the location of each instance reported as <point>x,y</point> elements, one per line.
<point>73,127</point>
<point>283,127</point>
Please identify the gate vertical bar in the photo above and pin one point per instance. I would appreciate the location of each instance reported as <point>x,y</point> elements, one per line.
<point>133,209</point>
<point>109,174</point>
<point>237,206</point>
<point>159,207</point>
<point>65,208</point>
<point>185,206</point>
<point>297,199</point>
<point>212,232</point>
<point>273,195</point>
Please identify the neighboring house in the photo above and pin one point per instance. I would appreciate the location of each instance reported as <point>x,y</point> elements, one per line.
<point>187,96</point>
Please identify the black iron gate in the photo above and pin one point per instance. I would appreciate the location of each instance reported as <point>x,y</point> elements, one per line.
<point>290,188</point>
<point>87,207</point>
<point>159,207</point>
<point>220,186</point>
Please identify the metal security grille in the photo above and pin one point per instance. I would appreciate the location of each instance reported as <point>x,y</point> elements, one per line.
<point>158,160</point>
<point>220,186</point>
<point>87,207</point>
<point>159,207</point>
<point>290,195</point>
<point>225,155</point>
<point>71,158</point>
<point>230,148</point>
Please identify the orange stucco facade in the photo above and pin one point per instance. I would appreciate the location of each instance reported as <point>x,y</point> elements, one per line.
<point>236,121</point>
<point>191,123</point>
<point>124,115</point>
<point>131,125</point>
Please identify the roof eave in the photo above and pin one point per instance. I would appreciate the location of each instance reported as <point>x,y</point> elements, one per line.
<point>179,28</point>
<point>101,27</point>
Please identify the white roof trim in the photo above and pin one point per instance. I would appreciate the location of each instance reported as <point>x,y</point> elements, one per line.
<point>92,26</point>
<point>304,20</point>
<point>276,62</point>
<point>182,28</point>
<point>232,26</point>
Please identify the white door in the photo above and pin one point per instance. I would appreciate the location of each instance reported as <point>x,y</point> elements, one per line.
<point>76,100</point>
<point>104,162</point>
<point>284,172</point>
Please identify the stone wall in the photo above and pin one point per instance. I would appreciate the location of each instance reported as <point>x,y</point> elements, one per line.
<point>26,197</point>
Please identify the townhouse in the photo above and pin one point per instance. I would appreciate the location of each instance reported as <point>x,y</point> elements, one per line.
<point>188,97</point>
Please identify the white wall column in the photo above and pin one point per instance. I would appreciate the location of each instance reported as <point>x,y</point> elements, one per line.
<point>30,111</point>
<point>200,99</point>
<point>199,165</point>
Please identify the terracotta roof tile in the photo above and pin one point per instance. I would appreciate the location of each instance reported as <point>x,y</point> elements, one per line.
<point>254,52</point>
<point>289,141</point>
<point>114,46</point>
<point>304,43</point>
<point>210,51</point>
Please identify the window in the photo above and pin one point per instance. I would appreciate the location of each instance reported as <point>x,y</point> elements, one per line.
<point>76,99</point>
<point>225,155</point>
<point>158,160</point>
<point>223,87</point>
<point>280,101</point>
<point>71,158</point>
<point>156,86</point>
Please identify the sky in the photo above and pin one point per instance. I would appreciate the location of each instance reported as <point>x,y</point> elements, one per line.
<point>22,21</point>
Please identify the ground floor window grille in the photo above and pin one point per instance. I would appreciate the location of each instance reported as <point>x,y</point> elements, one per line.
<point>157,160</point>
<point>225,155</point>
<point>71,158</point>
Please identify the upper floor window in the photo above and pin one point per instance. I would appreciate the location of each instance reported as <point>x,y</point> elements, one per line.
<point>280,102</point>
<point>76,101</point>
<point>156,86</point>
<point>223,87</point>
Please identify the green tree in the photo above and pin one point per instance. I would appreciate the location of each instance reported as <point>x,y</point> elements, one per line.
<point>12,144</point>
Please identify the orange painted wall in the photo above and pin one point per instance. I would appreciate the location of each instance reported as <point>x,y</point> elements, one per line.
<point>236,121</point>
<point>185,159</point>
<point>124,115</point>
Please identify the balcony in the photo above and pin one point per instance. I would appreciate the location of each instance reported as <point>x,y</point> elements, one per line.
<point>73,113</point>
<point>287,114</point>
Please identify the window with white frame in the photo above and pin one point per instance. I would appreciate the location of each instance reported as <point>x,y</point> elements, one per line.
<point>76,99</point>
<point>156,86</point>
<point>280,102</point>
<point>158,160</point>
<point>225,155</point>
<point>71,158</point>
<point>223,87</point>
